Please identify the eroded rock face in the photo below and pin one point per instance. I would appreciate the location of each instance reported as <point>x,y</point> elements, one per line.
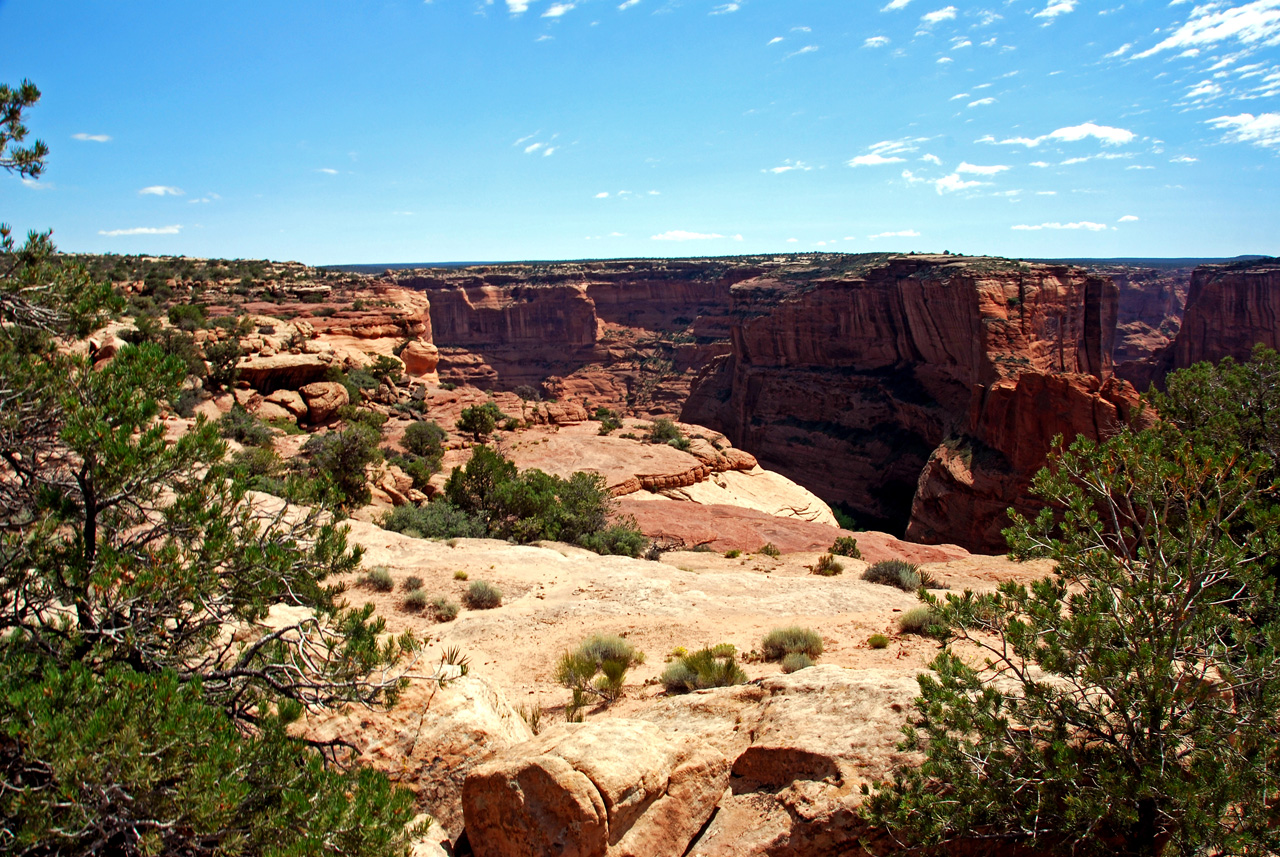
<point>605,787</point>
<point>848,385</point>
<point>1230,308</point>
<point>323,399</point>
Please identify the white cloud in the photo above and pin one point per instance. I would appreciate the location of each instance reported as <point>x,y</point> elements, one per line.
<point>533,147</point>
<point>142,230</point>
<point>1261,130</point>
<point>161,190</point>
<point>895,5</point>
<point>787,166</point>
<point>1106,134</point>
<point>1056,8</point>
<point>207,198</point>
<point>1041,164</point>
<point>903,233</point>
<point>977,170</point>
<point>932,159</point>
<point>960,42</point>
<point>958,96</point>
<point>774,40</point>
<point>1120,51</point>
<point>802,29</point>
<point>627,4</point>
<point>327,171</point>
<point>604,194</point>
<point>1252,23</point>
<point>515,7</point>
<point>1204,88</point>
<point>953,182</point>
<point>1046,193</point>
<point>683,235</point>
<point>558,9</point>
<point>726,8</point>
<point>546,153</point>
<point>1083,224</point>
<point>876,42</point>
<point>655,193</point>
<point>92,138</point>
<point>807,49</point>
<point>931,18</point>
<point>982,102</point>
<point>943,60</point>
<point>1128,218</point>
<point>1183,159</point>
<point>874,159</point>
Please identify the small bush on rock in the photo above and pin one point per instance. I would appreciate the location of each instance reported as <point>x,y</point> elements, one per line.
<point>878,641</point>
<point>827,566</point>
<point>795,662</point>
<point>481,595</point>
<point>923,620</point>
<point>781,642</point>
<point>846,546</point>
<point>379,578</point>
<point>894,572</point>
<point>411,583</point>
<point>770,550</point>
<point>443,609</point>
<point>598,667</point>
<point>415,600</point>
<point>712,667</point>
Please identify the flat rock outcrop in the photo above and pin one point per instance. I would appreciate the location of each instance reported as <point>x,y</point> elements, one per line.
<point>607,787</point>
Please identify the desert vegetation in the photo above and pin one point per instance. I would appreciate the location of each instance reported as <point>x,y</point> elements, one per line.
<point>597,669</point>
<point>714,666</point>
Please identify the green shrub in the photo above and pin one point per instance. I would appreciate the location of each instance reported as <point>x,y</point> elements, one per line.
<point>712,667</point>
<point>608,419</point>
<point>411,583</point>
<point>894,572</point>
<point>459,575</point>
<point>846,546</point>
<point>923,620</point>
<point>796,661</point>
<point>424,439</point>
<point>415,600</point>
<point>481,595</point>
<point>878,641</point>
<point>438,519</point>
<point>243,427</point>
<point>187,316</point>
<point>480,421</point>
<point>827,566</point>
<point>665,431</point>
<point>781,642</point>
<point>598,667</point>
<point>770,550</point>
<point>379,578</point>
<point>443,609</point>
<point>732,554</point>
<point>342,457</point>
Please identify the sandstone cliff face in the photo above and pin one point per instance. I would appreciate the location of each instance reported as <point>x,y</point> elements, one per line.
<point>1230,308</point>
<point>849,385</point>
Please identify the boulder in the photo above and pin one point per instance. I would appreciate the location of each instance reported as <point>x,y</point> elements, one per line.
<point>420,357</point>
<point>283,371</point>
<point>607,787</point>
<point>323,399</point>
<point>290,401</point>
<point>271,411</point>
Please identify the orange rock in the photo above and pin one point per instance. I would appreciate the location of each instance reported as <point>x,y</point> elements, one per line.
<point>323,399</point>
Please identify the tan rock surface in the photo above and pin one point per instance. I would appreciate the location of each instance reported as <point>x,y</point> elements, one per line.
<point>606,787</point>
<point>323,399</point>
<point>758,489</point>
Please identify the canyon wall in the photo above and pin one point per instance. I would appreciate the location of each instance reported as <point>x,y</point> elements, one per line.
<point>921,394</point>
<point>1230,308</point>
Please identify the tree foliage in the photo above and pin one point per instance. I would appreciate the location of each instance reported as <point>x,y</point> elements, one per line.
<point>1126,704</point>
<point>159,626</point>
<point>480,421</point>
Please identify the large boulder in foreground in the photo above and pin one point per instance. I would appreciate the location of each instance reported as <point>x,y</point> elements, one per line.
<point>609,788</point>
<point>323,399</point>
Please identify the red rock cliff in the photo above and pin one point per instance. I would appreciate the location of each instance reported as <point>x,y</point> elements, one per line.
<point>850,385</point>
<point>1230,308</point>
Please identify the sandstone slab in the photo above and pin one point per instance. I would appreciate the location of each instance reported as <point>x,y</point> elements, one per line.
<point>323,399</point>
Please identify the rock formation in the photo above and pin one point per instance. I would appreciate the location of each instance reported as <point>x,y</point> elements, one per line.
<point>1230,308</point>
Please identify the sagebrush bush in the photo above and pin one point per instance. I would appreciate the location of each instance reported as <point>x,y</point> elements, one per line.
<point>481,595</point>
<point>878,641</point>
<point>770,549</point>
<point>411,583</point>
<point>415,600</point>
<point>732,554</point>
<point>827,566</point>
<point>598,667</point>
<point>443,609</point>
<point>379,578</point>
<point>711,667</point>
<point>846,546</point>
<point>894,572</point>
<point>460,575</point>
<point>796,661</point>
<point>781,642</point>
<point>923,620</point>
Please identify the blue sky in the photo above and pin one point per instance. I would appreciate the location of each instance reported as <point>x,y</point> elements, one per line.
<point>450,130</point>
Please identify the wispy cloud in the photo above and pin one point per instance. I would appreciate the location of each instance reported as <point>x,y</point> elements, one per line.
<point>327,171</point>
<point>92,138</point>
<point>1106,134</point>
<point>517,7</point>
<point>807,49</point>
<point>979,170</point>
<point>982,102</point>
<point>558,9</point>
<point>938,16</point>
<point>1183,159</point>
<point>604,194</point>
<point>1253,23</point>
<point>1128,218</point>
<point>887,152</point>
<point>774,40</point>
<point>895,5</point>
<point>1083,224</point>
<point>683,235</point>
<point>1120,51</point>
<point>726,8</point>
<point>208,197</point>
<point>787,166</point>
<point>161,190</point>
<point>142,230</point>
<point>533,147</point>
<point>1261,130</point>
<point>902,233</point>
<point>947,184</point>
<point>1056,8</point>
<point>876,42</point>
<point>627,4</point>
<point>874,159</point>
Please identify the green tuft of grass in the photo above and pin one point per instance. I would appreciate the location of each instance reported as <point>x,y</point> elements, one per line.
<point>781,642</point>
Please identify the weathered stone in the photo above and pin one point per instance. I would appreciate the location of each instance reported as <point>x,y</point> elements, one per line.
<point>282,371</point>
<point>420,357</point>
<point>290,401</point>
<point>323,399</point>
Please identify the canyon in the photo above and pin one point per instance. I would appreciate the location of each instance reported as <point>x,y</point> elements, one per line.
<point>916,394</point>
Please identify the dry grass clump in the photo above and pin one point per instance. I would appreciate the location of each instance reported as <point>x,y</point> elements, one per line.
<point>827,566</point>
<point>481,595</point>
<point>379,579</point>
<point>716,666</point>
<point>780,642</point>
